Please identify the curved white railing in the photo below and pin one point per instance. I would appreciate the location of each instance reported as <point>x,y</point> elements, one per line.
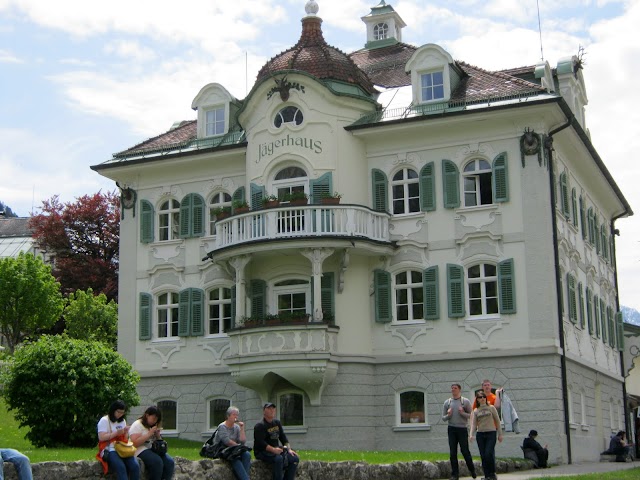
<point>303,221</point>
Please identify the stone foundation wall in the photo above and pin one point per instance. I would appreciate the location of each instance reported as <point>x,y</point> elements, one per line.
<point>220,470</point>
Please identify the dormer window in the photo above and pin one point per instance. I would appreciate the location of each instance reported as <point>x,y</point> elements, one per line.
<point>214,121</point>
<point>432,86</point>
<point>380,31</point>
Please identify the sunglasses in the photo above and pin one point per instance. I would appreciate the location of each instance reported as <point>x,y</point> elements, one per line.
<point>481,396</point>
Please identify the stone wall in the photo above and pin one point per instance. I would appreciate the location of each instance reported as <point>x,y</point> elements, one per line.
<point>219,470</point>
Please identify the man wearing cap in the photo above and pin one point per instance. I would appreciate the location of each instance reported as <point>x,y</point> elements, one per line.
<point>541,452</point>
<point>267,437</point>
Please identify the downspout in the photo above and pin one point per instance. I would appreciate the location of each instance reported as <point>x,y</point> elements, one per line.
<point>556,258</point>
<point>615,232</point>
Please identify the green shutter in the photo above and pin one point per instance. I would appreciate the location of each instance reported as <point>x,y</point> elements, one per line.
<point>571,298</point>
<point>450,184</point>
<point>574,207</point>
<point>581,304</point>
<point>455,282</point>
<point>620,331</point>
<point>197,312</point>
<point>146,303</point>
<point>590,225</point>
<point>589,311</point>
<point>321,187</point>
<point>500,178</point>
<point>233,306</point>
<point>596,233</point>
<point>146,221</point>
<point>382,288</point>
<point>257,194</point>
<point>583,227</point>
<point>379,190</point>
<point>198,216</point>
<point>603,321</point>
<point>428,188</point>
<point>258,290</point>
<point>564,192</point>
<point>185,216</point>
<point>612,327</point>
<point>596,314</point>
<point>184,313</point>
<point>327,294</point>
<point>507,286</point>
<point>431,293</point>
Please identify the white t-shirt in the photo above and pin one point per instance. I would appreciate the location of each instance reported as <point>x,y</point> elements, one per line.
<point>106,425</point>
<point>138,427</point>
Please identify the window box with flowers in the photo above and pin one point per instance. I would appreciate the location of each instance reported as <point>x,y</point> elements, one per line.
<point>296,198</point>
<point>240,206</point>
<point>331,198</point>
<point>270,202</point>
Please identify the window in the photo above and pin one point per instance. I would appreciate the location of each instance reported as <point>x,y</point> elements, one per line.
<point>219,310</point>
<point>405,189</point>
<point>292,297</point>
<point>380,31</point>
<point>409,296</point>
<point>290,114</point>
<point>412,407</point>
<point>291,406</point>
<point>214,122</point>
<point>167,311</point>
<point>571,407</point>
<point>574,207</point>
<point>583,409</point>
<point>169,410</point>
<point>218,202</point>
<point>564,194</point>
<point>483,289</point>
<point>432,85</point>
<point>217,412</point>
<point>290,180</point>
<point>477,183</point>
<point>168,220</point>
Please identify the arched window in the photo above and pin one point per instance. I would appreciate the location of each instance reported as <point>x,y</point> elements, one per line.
<point>380,31</point>
<point>477,183</point>
<point>292,297</point>
<point>405,189</point>
<point>218,203</point>
<point>169,410</point>
<point>290,114</point>
<point>169,220</point>
<point>218,310</point>
<point>167,307</point>
<point>482,282</point>
<point>291,408</point>
<point>217,412</point>
<point>290,180</point>
<point>413,407</point>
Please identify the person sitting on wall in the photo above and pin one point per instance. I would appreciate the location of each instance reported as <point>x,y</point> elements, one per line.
<point>618,446</point>
<point>19,461</point>
<point>535,452</point>
<point>267,437</point>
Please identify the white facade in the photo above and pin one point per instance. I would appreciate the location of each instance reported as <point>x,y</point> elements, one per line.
<point>473,240</point>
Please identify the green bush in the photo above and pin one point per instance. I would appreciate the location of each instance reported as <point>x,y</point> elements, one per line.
<point>60,387</point>
<point>92,317</point>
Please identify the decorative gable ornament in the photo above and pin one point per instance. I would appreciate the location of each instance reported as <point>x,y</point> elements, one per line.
<point>530,144</point>
<point>128,198</point>
<point>283,86</point>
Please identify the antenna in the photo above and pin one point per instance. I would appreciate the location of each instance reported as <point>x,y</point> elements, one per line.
<point>540,30</point>
<point>246,74</point>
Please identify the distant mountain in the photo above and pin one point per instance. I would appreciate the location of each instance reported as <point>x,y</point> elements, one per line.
<point>631,315</point>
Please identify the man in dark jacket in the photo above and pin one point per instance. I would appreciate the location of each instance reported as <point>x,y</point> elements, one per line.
<point>267,437</point>
<point>541,452</point>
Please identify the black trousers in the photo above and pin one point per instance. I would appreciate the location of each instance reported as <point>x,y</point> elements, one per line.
<point>459,436</point>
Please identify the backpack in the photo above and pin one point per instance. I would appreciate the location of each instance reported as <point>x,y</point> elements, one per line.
<point>210,449</point>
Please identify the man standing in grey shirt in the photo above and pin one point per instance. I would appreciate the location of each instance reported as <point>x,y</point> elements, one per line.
<point>456,411</point>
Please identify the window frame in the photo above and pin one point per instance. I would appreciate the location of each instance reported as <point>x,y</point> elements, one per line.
<point>399,413</point>
<point>174,314</point>
<point>483,280</point>
<point>171,215</point>
<point>222,331</point>
<point>282,416</point>
<point>407,199</point>
<point>165,430</point>
<point>381,31</point>
<point>215,109</point>
<point>479,176</point>
<point>211,426</point>
<point>425,88</point>
<point>211,206</point>
<point>409,287</point>
<point>277,290</point>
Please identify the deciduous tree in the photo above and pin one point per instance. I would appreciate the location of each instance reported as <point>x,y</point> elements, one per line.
<point>30,298</point>
<point>59,387</point>
<point>92,317</point>
<point>83,237</point>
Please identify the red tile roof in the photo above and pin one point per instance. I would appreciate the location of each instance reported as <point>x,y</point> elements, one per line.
<point>385,66</point>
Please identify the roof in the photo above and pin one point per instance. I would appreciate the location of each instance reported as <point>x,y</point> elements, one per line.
<point>14,227</point>
<point>385,65</point>
<point>15,236</point>
<point>313,55</point>
<point>184,132</point>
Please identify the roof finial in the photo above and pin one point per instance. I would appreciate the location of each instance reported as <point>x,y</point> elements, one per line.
<point>311,8</point>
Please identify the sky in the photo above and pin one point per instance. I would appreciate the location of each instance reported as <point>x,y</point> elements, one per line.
<point>81,80</point>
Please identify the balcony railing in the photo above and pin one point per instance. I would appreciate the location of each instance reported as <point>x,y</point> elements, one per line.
<point>303,221</point>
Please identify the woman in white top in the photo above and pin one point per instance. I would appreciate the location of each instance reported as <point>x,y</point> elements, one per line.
<point>143,432</point>
<point>112,427</point>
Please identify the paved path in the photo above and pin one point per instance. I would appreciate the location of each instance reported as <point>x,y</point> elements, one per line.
<point>574,469</point>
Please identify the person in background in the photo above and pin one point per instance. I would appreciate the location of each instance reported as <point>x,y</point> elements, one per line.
<point>618,446</point>
<point>231,433</point>
<point>20,462</point>
<point>486,422</point>
<point>492,398</point>
<point>267,436</point>
<point>143,432</point>
<point>456,411</point>
<point>111,428</point>
<point>541,452</point>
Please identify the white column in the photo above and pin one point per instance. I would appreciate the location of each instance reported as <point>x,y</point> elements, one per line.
<point>239,264</point>
<point>316,256</point>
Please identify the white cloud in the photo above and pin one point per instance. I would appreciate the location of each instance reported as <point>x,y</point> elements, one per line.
<point>7,57</point>
<point>132,51</point>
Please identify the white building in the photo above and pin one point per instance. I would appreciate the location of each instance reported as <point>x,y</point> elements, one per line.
<point>474,239</point>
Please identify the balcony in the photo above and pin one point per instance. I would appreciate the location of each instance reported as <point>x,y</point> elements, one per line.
<point>260,357</point>
<point>308,221</point>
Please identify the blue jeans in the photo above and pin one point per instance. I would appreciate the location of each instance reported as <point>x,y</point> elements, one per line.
<point>459,436</point>
<point>487,446</point>
<point>20,462</point>
<point>241,466</point>
<point>158,467</point>
<point>124,468</point>
<point>276,461</point>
